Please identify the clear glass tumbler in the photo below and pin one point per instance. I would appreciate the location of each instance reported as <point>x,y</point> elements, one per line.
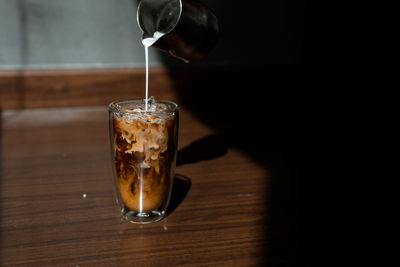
<point>143,146</point>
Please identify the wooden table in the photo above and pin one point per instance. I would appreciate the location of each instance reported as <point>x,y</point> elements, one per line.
<point>58,209</point>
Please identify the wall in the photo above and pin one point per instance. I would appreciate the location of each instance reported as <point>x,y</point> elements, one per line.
<point>104,33</point>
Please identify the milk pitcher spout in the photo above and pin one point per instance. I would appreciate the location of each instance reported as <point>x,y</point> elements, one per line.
<point>186,29</point>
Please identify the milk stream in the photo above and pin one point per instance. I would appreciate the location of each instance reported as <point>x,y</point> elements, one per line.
<point>146,43</point>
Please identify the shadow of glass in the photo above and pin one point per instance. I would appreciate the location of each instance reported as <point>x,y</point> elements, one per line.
<point>209,147</point>
<point>180,189</point>
<point>205,148</point>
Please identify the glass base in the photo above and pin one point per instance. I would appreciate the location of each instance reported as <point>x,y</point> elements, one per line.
<point>142,217</point>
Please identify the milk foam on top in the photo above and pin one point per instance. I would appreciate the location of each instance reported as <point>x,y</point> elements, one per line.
<point>145,132</point>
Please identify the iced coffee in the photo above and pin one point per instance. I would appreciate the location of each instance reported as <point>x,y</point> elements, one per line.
<point>144,151</point>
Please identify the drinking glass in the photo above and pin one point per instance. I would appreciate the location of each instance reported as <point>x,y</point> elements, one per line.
<point>143,147</point>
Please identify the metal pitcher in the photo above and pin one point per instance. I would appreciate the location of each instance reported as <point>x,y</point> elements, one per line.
<point>187,29</point>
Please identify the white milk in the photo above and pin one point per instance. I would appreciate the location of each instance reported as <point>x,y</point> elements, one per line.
<point>149,42</point>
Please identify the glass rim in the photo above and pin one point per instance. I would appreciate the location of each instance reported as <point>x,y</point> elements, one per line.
<point>113,106</point>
